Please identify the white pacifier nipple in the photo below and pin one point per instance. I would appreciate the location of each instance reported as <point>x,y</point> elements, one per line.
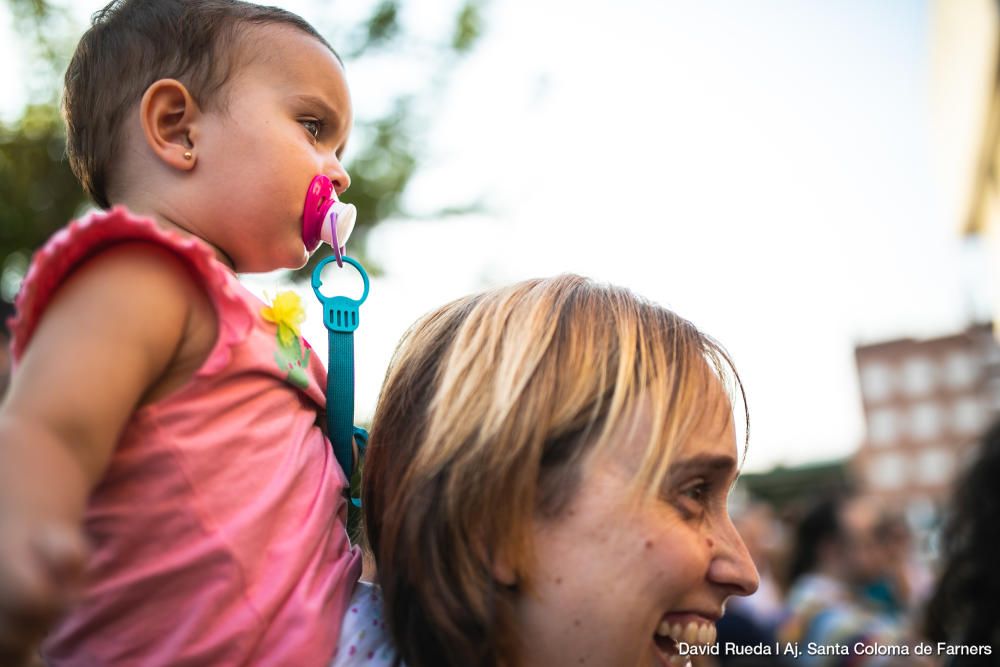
<point>343,216</point>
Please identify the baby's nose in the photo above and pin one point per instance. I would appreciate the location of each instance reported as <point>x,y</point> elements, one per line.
<point>338,176</point>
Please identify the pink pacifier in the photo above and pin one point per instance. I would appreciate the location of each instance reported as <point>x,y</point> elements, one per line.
<point>326,218</point>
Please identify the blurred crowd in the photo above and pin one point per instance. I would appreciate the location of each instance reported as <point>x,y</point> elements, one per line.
<point>846,581</point>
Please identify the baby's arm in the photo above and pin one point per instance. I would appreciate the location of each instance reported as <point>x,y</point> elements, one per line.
<point>106,338</point>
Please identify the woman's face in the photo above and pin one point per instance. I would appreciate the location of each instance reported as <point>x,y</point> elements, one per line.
<point>620,583</point>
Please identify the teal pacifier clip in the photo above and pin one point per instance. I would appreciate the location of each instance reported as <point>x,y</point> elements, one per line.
<point>340,316</point>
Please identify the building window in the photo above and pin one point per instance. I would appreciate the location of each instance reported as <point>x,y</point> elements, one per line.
<point>919,376</point>
<point>935,466</point>
<point>876,381</point>
<point>925,420</point>
<point>960,370</point>
<point>967,416</point>
<point>887,471</point>
<point>992,354</point>
<point>993,394</point>
<point>882,427</point>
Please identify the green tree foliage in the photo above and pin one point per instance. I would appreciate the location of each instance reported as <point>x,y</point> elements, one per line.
<point>38,194</point>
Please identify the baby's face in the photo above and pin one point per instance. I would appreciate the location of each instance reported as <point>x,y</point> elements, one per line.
<point>287,119</point>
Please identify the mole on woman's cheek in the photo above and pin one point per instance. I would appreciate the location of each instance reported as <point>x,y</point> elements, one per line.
<point>649,544</point>
<point>709,542</point>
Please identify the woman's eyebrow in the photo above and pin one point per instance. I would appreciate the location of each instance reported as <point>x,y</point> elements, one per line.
<point>703,463</point>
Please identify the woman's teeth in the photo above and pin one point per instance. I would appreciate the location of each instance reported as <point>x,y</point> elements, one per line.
<point>669,636</point>
<point>692,633</point>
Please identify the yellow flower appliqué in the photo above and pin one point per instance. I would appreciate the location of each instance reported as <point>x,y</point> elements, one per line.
<point>287,312</point>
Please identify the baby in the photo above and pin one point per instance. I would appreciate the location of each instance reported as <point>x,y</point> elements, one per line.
<point>167,494</point>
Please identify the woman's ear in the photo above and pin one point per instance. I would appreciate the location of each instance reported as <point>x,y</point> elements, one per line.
<point>503,569</point>
<point>168,115</point>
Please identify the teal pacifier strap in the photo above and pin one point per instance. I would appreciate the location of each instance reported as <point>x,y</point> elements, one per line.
<point>340,399</point>
<point>340,316</point>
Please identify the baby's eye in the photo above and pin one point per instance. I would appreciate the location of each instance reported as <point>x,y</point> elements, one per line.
<point>313,126</point>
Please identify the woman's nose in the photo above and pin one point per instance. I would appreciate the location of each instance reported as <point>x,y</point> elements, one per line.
<point>731,564</point>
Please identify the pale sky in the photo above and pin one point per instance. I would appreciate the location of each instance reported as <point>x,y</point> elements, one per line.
<point>764,168</point>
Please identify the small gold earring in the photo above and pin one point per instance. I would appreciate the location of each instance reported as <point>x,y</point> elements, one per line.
<point>187,155</point>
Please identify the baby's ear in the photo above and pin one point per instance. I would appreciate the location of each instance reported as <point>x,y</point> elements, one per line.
<point>168,113</point>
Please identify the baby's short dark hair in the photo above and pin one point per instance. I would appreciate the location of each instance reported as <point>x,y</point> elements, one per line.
<point>133,43</point>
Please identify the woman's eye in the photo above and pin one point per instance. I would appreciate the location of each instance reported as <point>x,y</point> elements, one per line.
<point>694,498</point>
<point>697,492</point>
<point>313,126</point>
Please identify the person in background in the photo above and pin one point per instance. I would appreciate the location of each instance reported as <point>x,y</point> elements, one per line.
<point>903,580</point>
<point>964,607</point>
<point>834,557</point>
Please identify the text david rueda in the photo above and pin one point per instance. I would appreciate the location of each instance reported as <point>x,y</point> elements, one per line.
<point>812,648</point>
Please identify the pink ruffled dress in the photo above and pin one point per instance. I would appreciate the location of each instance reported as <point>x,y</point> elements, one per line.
<point>218,528</point>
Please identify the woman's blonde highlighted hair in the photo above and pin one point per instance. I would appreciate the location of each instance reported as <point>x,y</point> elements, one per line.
<point>489,408</point>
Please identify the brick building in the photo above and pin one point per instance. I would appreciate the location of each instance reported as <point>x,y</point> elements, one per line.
<point>925,403</point>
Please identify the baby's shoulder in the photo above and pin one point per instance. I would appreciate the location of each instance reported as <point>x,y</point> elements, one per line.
<point>123,270</point>
<point>134,268</point>
<point>150,290</point>
<point>133,296</point>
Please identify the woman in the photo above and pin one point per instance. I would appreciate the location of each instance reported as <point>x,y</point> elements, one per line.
<point>546,482</point>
